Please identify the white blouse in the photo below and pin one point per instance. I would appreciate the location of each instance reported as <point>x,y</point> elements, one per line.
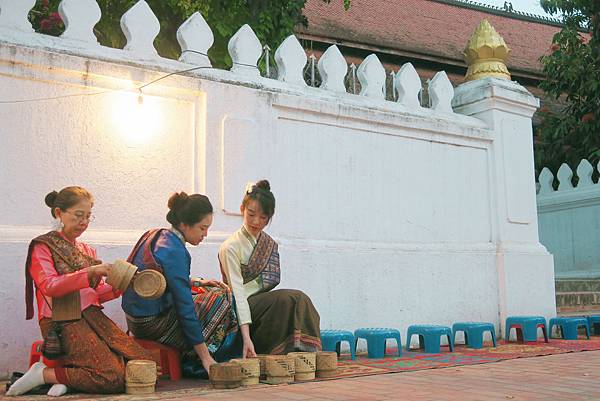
<point>235,251</point>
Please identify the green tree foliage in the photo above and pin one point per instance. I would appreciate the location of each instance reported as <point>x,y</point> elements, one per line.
<point>572,70</point>
<point>272,20</point>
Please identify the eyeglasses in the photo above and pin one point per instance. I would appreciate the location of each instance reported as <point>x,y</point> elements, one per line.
<point>81,216</point>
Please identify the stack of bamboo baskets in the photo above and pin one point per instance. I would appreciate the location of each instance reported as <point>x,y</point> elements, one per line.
<point>274,369</point>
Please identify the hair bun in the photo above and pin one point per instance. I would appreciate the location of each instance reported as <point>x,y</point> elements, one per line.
<point>263,184</point>
<point>50,199</point>
<point>177,200</point>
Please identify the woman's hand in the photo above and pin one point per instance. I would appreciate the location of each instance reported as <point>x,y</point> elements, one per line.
<point>205,357</point>
<point>200,282</point>
<point>214,283</point>
<point>248,347</point>
<point>98,271</point>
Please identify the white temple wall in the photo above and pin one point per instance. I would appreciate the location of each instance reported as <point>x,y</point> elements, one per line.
<point>388,214</point>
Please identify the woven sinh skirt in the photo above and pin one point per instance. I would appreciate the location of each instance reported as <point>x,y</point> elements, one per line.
<point>284,321</point>
<point>96,351</point>
<point>213,307</point>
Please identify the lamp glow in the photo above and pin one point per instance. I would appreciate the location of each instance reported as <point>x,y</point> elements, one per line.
<point>135,118</point>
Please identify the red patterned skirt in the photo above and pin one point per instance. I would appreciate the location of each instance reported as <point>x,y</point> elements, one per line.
<point>96,351</point>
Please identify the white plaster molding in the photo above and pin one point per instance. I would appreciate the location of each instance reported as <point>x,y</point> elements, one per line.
<point>494,94</point>
<point>565,177</point>
<point>245,50</point>
<point>140,26</point>
<point>13,15</point>
<point>584,172</point>
<point>195,37</point>
<point>569,200</point>
<point>80,17</point>
<point>291,59</point>
<point>24,234</point>
<point>408,86</point>
<point>333,69</point>
<point>546,178</point>
<point>371,75</point>
<point>329,114</point>
<point>441,93</point>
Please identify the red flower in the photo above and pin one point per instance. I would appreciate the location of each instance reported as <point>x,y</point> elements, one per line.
<point>586,118</point>
<point>554,47</point>
<point>544,109</point>
<point>45,3</point>
<point>45,25</point>
<point>55,16</point>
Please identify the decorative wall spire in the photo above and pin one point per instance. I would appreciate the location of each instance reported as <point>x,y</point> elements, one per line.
<point>486,54</point>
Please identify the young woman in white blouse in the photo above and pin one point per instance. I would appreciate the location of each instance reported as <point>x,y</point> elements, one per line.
<point>271,321</point>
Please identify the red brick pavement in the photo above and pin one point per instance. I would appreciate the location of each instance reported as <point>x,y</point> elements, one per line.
<point>574,376</point>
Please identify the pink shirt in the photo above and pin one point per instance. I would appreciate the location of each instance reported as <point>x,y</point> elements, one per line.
<point>49,283</point>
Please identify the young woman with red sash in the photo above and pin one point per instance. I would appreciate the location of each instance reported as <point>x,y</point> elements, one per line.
<point>197,320</point>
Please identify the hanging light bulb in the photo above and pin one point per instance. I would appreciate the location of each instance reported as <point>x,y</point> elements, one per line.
<point>140,98</point>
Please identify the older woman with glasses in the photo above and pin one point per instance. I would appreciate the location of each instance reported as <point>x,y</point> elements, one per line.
<point>70,289</point>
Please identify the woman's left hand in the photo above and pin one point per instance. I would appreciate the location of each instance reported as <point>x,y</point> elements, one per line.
<point>214,283</point>
<point>197,282</point>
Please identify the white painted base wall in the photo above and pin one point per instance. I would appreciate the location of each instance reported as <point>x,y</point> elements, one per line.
<point>386,215</point>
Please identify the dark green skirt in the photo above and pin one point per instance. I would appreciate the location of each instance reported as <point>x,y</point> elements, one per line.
<point>284,321</point>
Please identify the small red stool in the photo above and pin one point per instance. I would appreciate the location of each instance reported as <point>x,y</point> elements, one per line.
<point>36,354</point>
<point>170,361</point>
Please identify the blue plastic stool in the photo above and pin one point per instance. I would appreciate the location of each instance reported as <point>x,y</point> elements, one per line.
<point>332,339</point>
<point>429,337</point>
<point>526,327</point>
<point>376,340</point>
<point>594,324</point>
<point>568,326</point>
<point>474,333</point>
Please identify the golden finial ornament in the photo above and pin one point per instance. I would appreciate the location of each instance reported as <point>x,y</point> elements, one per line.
<point>486,54</point>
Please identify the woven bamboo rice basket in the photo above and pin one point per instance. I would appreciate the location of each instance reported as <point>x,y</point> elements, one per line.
<point>305,365</point>
<point>326,364</point>
<point>280,369</point>
<point>149,284</point>
<point>250,370</point>
<point>140,376</point>
<point>225,375</point>
<point>120,275</point>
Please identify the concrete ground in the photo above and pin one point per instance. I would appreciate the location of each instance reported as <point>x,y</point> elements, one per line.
<point>574,376</point>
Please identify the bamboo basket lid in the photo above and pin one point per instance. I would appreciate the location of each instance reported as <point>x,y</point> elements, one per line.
<point>305,365</point>
<point>149,284</point>
<point>250,370</point>
<point>140,371</point>
<point>326,364</point>
<point>304,361</point>
<point>280,369</point>
<point>225,375</point>
<point>120,275</point>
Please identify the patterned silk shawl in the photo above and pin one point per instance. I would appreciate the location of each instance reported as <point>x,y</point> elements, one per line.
<point>146,242</point>
<point>67,259</point>
<point>263,263</point>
